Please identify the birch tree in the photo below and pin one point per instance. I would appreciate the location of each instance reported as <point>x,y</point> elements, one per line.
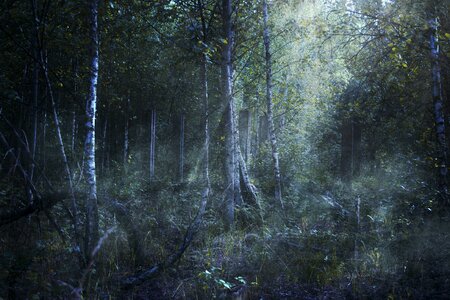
<point>91,109</point>
<point>233,193</point>
<point>272,135</point>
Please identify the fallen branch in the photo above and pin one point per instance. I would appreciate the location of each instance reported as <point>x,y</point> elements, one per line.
<point>76,293</point>
<point>39,204</point>
<point>155,270</point>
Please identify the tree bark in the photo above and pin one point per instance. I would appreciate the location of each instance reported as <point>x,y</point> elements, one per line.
<point>232,193</point>
<point>92,234</point>
<point>152,143</point>
<point>181,153</point>
<point>272,135</point>
<point>244,132</point>
<point>62,149</point>
<point>74,132</point>
<point>204,80</point>
<point>263,130</point>
<point>250,190</point>
<point>438,109</point>
<point>126,143</point>
<point>35,83</point>
<point>105,151</point>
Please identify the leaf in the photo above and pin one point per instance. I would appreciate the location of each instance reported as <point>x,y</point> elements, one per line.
<point>447,35</point>
<point>225,284</point>
<point>241,279</point>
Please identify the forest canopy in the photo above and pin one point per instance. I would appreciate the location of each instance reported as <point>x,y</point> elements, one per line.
<point>224,149</point>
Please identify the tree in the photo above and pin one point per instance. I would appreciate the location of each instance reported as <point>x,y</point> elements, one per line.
<point>233,191</point>
<point>273,137</point>
<point>91,109</point>
<point>438,108</point>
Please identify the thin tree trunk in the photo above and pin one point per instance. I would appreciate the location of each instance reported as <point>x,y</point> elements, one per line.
<point>74,115</point>
<point>249,188</point>
<point>204,80</point>
<point>262,129</point>
<point>91,109</point>
<point>74,132</point>
<point>74,207</point>
<point>44,142</point>
<point>181,159</point>
<point>346,149</point>
<point>273,138</point>
<point>126,144</point>
<point>35,83</point>
<point>104,144</point>
<point>356,147</point>
<point>152,144</point>
<point>238,199</point>
<point>244,132</point>
<point>438,108</point>
<point>285,105</point>
<point>233,189</point>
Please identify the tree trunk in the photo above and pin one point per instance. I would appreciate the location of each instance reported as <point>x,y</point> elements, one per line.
<point>74,206</point>
<point>44,142</point>
<point>233,189</point>
<point>35,83</point>
<point>356,147</point>
<point>249,189</point>
<point>350,148</point>
<point>91,109</point>
<point>152,143</point>
<point>285,104</point>
<point>181,153</point>
<point>74,115</point>
<point>438,109</point>
<point>126,143</point>
<point>245,122</point>
<point>346,150</point>
<point>105,152</point>
<point>273,138</point>
<point>263,130</point>
<point>204,80</point>
<point>74,132</point>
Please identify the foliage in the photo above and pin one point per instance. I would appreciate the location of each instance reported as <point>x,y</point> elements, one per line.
<point>364,216</point>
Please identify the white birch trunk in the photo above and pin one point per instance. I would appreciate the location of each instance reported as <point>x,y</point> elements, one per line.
<point>91,109</point>
<point>204,76</point>
<point>230,130</point>
<point>272,135</point>
<point>204,80</point>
